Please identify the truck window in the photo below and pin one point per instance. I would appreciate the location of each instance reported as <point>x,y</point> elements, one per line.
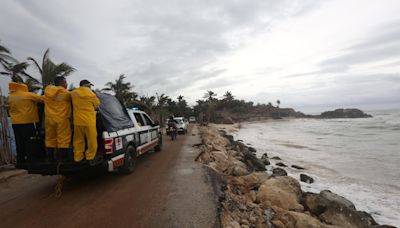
<point>147,119</point>
<point>139,119</point>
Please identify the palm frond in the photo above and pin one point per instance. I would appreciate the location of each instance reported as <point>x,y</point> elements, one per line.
<point>36,64</point>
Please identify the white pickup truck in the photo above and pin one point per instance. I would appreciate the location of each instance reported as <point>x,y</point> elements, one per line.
<point>123,135</point>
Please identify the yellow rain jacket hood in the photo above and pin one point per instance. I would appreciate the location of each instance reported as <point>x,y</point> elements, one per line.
<point>57,102</point>
<point>23,104</point>
<point>84,103</point>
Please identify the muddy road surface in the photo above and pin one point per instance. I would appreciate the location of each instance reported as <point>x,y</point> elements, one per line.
<point>167,189</point>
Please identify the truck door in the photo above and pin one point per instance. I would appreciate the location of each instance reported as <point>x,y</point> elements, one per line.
<point>153,131</point>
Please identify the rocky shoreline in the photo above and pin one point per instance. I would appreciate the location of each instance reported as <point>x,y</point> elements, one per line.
<point>250,197</point>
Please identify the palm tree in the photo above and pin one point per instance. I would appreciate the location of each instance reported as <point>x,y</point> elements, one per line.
<point>228,96</point>
<point>210,95</point>
<point>17,74</point>
<point>5,55</point>
<point>122,90</point>
<point>147,103</point>
<point>162,101</point>
<point>49,70</point>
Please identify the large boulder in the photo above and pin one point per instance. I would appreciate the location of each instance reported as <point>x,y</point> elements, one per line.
<point>345,217</point>
<point>335,198</point>
<point>282,192</point>
<point>336,210</point>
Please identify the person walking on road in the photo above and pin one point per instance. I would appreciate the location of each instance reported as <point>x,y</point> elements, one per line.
<point>85,103</point>
<point>24,118</point>
<point>57,110</point>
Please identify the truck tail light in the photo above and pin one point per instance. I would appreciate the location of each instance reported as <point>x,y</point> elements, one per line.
<point>108,146</point>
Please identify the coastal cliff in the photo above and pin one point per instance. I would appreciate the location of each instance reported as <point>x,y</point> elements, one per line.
<point>250,197</point>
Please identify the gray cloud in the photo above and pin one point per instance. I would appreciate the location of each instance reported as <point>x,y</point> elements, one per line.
<point>381,44</point>
<point>172,46</point>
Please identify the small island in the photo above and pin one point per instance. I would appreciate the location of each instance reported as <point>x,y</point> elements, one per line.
<point>343,113</point>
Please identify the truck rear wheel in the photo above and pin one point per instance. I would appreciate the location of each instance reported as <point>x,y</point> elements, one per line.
<point>129,161</point>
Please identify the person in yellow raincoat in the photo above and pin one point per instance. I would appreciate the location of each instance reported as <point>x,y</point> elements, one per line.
<point>85,103</point>
<point>24,118</point>
<point>57,111</point>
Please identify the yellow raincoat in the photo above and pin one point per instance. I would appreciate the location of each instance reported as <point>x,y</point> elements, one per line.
<point>57,110</point>
<point>23,104</point>
<point>84,103</point>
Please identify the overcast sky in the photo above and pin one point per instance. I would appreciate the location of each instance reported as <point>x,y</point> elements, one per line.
<point>311,55</point>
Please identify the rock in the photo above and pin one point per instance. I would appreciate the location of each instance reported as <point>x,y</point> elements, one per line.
<point>235,224</point>
<point>314,203</point>
<point>265,155</point>
<point>265,161</point>
<point>297,167</point>
<point>253,161</point>
<point>332,197</point>
<point>252,149</point>
<point>276,158</point>
<point>336,210</point>
<point>239,170</point>
<point>279,172</point>
<point>297,219</point>
<point>252,181</point>
<point>230,138</point>
<point>342,216</point>
<point>345,113</point>
<point>307,179</point>
<point>282,192</point>
<point>281,164</point>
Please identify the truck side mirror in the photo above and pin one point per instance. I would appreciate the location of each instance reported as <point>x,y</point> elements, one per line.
<point>156,123</point>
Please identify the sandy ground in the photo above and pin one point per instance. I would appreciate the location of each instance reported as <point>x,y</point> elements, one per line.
<point>167,189</point>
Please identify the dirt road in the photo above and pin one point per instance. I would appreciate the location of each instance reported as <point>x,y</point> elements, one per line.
<point>167,189</point>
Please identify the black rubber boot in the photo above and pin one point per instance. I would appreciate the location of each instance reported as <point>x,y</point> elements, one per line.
<point>63,154</point>
<point>50,154</point>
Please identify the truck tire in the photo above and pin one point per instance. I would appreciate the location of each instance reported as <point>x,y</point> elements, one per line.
<point>159,146</point>
<point>129,161</point>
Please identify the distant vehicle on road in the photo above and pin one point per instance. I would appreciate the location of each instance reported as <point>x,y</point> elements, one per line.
<point>123,135</point>
<point>182,125</point>
<point>192,119</point>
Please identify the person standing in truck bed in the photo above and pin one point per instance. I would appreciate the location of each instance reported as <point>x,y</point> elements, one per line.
<point>57,110</point>
<point>24,118</point>
<point>85,103</point>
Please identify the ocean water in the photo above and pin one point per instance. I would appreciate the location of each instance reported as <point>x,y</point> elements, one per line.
<point>356,158</point>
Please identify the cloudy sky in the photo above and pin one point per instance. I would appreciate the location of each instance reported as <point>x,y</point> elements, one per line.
<point>310,54</point>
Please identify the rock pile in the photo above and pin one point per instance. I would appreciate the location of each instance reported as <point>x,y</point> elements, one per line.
<point>252,198</point>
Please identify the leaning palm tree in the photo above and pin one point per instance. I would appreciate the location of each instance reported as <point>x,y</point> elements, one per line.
<point>49,70</point>
<point>17,73</point>
<point>5,55</point>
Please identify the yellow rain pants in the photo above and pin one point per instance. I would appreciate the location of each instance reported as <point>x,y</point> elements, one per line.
<point>57,113</point>
<point>80,133</point>
<point>58,133</point>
